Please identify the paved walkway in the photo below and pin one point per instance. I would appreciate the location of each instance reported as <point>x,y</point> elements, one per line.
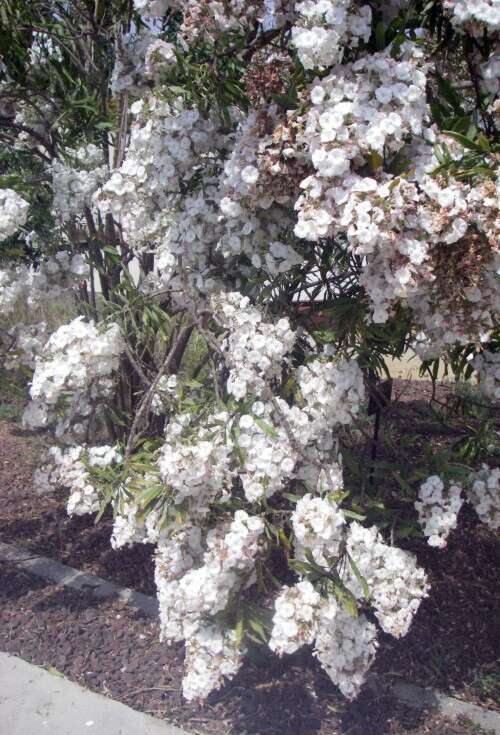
<point>34,702</point>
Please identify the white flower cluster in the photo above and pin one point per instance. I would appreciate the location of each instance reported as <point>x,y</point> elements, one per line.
<point>84,498</point>
<point>475,17</point>
<point>13,212</point>
<point>268,459</point>
<point>185,252</point>
<point>210,18</point>
<point>457,298</point>
<point>160,56</point>
<point>295,618</point>
<point>22,344</point>
<point>255,350</point>
<point>487,366</point>
<point>332,392</point>
<point>24,286</point>
<point>490,75</point>
<point>261,177</point>
<point>131,524</point>
<point>370,105</point>
<point>345,647</point>
<point>176,556</point>
<point>128,528</point>
<point>266,446</point>
<point>325,27</point>
<point>197,467</point>
<point>271,442</point>
<point>212,655</point>
<point>188,593</point>
<point>129,71</point>
<point>77,362</point>
<point>75,180</point>
<point>438,509</point>
<point>231,550</point>
<point>165,146</point>
<point>253,177</point>
<point>152,8</point>
<point>483,492</point>
<point>396,584</point>
<point>70,469</point>
<point>407,230</point>
<point>319,526</point>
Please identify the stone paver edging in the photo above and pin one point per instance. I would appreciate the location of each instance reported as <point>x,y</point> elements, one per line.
<point>420,697</point>
<point>54,571</point>
<point>410,694</point>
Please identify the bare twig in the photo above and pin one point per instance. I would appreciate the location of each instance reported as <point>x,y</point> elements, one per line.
<point>147,399</point>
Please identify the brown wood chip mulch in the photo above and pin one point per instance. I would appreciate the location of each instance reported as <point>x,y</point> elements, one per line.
<point>111,649</point>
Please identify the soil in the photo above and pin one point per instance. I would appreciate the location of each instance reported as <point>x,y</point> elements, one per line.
<point>40,522</point>
<point>108,647</point>
<point>452,645</point>
<point>454,640</point>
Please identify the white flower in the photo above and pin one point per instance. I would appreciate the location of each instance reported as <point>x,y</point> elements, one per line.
<point>212,655</point>
<point>397,585</point>
<point>438,509</point>
<point>318,525</point>
<point>250,175</point>
<point>483,492</point>
<point>295,619</point>
<point>345,646</point>
<point>13,212</point>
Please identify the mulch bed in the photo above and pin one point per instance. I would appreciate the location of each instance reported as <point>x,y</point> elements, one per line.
<point>40,522</point>
<point>454,640</point>
<point>452,645</point>
<point>107,647</point>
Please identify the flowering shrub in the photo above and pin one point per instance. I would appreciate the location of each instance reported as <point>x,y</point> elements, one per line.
<point>13,212</point>
<point>201,178</point>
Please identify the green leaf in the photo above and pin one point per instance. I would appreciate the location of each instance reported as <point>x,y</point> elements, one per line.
<point>258,628</point>
<point>284,539</point>
<point>346,599</point>
<point>293,498</point>
<point>396,45</point>
<point>452,97</point>
<point>376,161</point>
<point>463,140</point>
<point>353,514</point>
<point>112,253</point>
<point>349,604</point>
<point>380,36</point>
<point>192,383</point>
<point>287,102</point>
<point>266,428</point>
<point>240,628</point>
<point>359,577</point>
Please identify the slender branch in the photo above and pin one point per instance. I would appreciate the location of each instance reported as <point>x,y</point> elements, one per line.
<point>147,399</point>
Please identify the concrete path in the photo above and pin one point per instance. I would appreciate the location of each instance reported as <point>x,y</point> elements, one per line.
<point>34,702</point>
